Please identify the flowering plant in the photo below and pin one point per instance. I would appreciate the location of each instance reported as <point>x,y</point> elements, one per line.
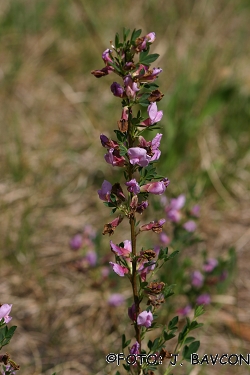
<point>9,366</point>
<point>130,60</point>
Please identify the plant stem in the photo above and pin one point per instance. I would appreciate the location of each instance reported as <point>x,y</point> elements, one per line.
<point>132,222</point>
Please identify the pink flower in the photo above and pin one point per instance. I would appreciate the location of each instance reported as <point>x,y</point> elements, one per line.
<point>197,279</point>
<point>164,238</point>
<point>195,211</point>
<point>131,87</point>
<point>138,155</point>
<point>120,270</point>
<point>152,147</point>
<point>109,228</point>
<point>203,299</point>
<point>122,251</point>
<point>142,43</point>
<point>108,143</point>
<point>210,265</point>
<point>135,349</point>
<point>190,226</point>
<point>114,158</point>
<point>106,56</point>
<point>155,226</point>
<point>173,210</point>
<point>76,242</point>
<point>133,186</point>
<point>144,74</point>
<point>91,258</point>
<point>141,207</point>
<point>105,191</point>
<point>154,115</point>
<point>145,319</point>
<point>185,310</point>
<point>144,271</point>
<point>4,313</point>
<point>157,188</point>
<point>116,299</point>
<point>102,72</point>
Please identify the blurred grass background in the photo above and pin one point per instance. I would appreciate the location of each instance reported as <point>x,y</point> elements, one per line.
<point>51,163</point>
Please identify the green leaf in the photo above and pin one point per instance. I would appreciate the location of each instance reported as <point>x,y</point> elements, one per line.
<point>173,322</point>
<point>11,332</point>
<point>188,350</point>
<point>189,339</point>
<point>143,55</point>
<point>117,42</point>
<point>147,60</point>
<point>127,343</point>
<point>155,345</point>
<point>168,336</point>
<point>150,344</point>
<point>173,254</point>
<point>144,104</point>
<point>120,136</point>
<point>199,310</point>
<point>195,325</point>
<point>125,33</point>
<point>144,98</point>
<point>123,150</point>
<point>135,35</point>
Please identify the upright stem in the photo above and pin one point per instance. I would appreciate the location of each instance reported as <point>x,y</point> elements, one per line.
<point>132,222</point>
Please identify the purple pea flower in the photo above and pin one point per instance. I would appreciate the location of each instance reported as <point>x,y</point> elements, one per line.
<point>122,251</point>
<point>197,279</point>
<point>138,155</point>
<point>155,226</point>
<point>120,270</point>
<point>190,226</point>
<point>144,74</point>
<point>152,147</point>
<point>117,90</point>
<point>8,370</point>
<point>157,187</point>
<point>210,264</point>
<point>114,158</point>
<point>144,271</point>
<point>4,313</point>
<point>133,186</point>
<point>195,211</point>
<point>165,240</point>
<point>108,143</point>
<point>131,87</point>
<point>105,191</point>
<point>141,207</point>
<point>185,310</point>
<point>141,43</point>
<point>135,349</point>
<point>203,299</point>
<point>91,258</point>
<point>116,299</point>
<point>154,115</point>
<point>106,56</point>
<point>102,72</point>
<point>76,242</point>
<point>173,209</point>
<point>145,319</point>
